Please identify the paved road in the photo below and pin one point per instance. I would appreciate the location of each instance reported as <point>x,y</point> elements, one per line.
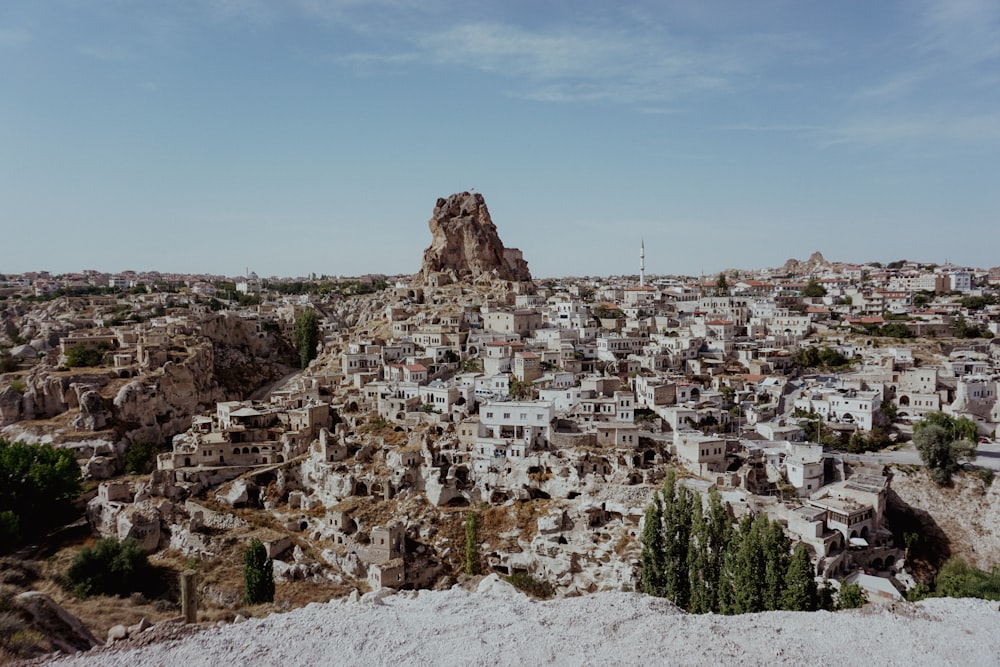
<point>988,456</point>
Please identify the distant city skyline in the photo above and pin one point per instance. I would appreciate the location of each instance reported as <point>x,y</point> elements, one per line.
<point>314,136</point>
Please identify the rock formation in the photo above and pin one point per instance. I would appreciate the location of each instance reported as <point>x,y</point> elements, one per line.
<point>466,246</point>
<point>815,263</point>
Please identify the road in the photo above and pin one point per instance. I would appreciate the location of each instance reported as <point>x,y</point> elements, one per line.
<point>988,456</point>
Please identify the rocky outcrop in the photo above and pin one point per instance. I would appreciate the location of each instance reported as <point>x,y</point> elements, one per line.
<point>62,629</point>
<point>815,262</point>
<point>465,245</point>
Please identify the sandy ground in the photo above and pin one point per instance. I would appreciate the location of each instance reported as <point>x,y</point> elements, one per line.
<point>498,626</point>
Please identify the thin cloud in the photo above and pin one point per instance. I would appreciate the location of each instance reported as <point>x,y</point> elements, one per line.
<point>13,37</point>
<point>586,64</point>
<point>973,129</point>
<point>107,53</point>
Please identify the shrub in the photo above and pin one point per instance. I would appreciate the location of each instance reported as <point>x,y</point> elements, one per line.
<point>534,587</point>
<point>10,531</point>
<point>852,596</point>
<point>109,567</point>
<point>37,483</point>
<point>957,579</point>
<point>79,355</point>
<point>140,458</point>
<point>258,574</point>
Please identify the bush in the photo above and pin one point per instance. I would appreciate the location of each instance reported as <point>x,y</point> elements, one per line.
<point>960,580</point>
<point>10,531</point>
<point>109,567</point>
<point>852,596</point>
<point>258,574</point>
<point>80,356</point>
<point>534,587</point>
<point>37,483</point>
<point>140,458</point>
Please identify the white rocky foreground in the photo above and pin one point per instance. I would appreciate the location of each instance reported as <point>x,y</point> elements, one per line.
<point>498,626</point>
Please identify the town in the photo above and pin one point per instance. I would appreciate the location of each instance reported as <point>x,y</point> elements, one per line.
<point>551,408</point>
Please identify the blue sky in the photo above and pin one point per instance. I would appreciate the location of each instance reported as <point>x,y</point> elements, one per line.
<point>302,136</point>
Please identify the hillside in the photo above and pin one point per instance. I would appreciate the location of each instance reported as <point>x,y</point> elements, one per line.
<point>500,626</point>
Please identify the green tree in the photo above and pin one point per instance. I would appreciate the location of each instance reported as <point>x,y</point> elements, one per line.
<point>721,285</point>
<point>306,336</point>
<point>801,593</point>
<point>852,596</point>
<point>140,458</point>
<point>109,567</point>
<point>10,531</point>
<point>519,389</point>
<point>944,443</point>
<point>776,548</point>
<point>82,356</point>
<point>258,574</point>
<point>962,329</point>
<point>471,544</point>
<point>37,485</point>
<point>699,601</point>
<point>959,580</point>
<point>814,289</point>
<point>653,548</point>
<point>745,569</point>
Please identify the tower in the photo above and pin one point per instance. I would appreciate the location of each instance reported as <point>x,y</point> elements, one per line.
<point>642,263</point>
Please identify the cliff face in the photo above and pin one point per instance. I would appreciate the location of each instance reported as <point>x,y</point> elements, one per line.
<point>465,244</point>
<point>225,360</point>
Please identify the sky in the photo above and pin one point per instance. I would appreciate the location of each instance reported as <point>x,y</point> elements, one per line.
<point>292,137</point>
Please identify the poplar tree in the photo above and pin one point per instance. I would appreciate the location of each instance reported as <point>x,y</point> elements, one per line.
<point>306,336</point>
<point>653,550</point>
<point>801,592</point>
<point>678,538</point>
<point>746,567</point>
<point>698,560</point>
<point>718,531</point>
<point>776,556</point>
<point>258,574</point>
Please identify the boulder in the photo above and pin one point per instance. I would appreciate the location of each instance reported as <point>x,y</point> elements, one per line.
<point>94,415</point>
<point>65,631</point>
<point>237,495</point>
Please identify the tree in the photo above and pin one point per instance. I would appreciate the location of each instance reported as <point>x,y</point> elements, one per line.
<point>653,549</point>
<point>140,458</point>
<point>960,580</point>
<point>306,336</point>
<point>471,544</point>
<point>80,355</point>
<point>37,484</point>
<point>814,289</point>
<point>258,574</point>
<point>519,389</point>
<point>944,443</point>
<point>776,547</point>
<point>721,285</point>
<point>801,593</point>
<point>852,596</point>
<point>109,567</point>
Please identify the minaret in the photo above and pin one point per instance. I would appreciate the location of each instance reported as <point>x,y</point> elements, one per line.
<point>642,263</point>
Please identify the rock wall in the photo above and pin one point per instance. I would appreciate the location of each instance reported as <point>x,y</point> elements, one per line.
<point>968,513</point>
